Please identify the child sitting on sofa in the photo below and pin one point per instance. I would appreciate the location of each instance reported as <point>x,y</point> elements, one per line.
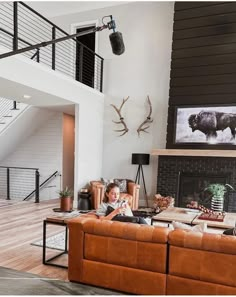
<point>112,208</point>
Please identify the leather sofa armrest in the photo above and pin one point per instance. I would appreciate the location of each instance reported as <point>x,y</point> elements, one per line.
<point>133,189</point>
<point>76,246</point>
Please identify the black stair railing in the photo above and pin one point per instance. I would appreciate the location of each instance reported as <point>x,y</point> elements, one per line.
<point>16,181</point>
<point>40,186</point>
<point>21,26</point>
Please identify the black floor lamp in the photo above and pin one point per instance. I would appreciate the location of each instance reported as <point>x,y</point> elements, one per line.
<point>140,160</point>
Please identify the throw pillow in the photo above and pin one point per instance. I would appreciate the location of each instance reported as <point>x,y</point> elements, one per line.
<point>106,181</point>
<point>197,228</point>
<point>122,183</point>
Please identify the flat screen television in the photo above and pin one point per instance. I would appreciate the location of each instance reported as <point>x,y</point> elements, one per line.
<point>205,125</point>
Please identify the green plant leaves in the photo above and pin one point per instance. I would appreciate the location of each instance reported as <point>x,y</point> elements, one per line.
<point>218,190</point>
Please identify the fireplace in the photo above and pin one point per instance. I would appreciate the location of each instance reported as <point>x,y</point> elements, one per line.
<point>176,171</point>
<point>192,187</point>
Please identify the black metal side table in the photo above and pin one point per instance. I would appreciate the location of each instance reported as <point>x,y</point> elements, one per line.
<point>61,221</point>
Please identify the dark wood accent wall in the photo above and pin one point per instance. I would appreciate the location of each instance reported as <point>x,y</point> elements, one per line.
<point>203,67</point>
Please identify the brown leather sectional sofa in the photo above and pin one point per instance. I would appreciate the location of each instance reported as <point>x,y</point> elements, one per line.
<point>148,260</point>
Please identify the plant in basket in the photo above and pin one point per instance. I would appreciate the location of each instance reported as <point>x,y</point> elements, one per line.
<point>218,192</point>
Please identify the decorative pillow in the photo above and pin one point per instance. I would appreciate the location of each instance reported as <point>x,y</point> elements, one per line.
<point>197,228</point>
<point>122,183</point>
<point>106,182</point>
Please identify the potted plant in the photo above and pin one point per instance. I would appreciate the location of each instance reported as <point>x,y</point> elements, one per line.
<point>218,191</point>
<point>65,196</point>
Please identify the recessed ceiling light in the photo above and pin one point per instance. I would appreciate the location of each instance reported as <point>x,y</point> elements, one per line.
<point>26,96</point>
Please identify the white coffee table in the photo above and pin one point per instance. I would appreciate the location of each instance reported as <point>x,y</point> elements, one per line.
<point>188,216</point>
<point>177,214</point>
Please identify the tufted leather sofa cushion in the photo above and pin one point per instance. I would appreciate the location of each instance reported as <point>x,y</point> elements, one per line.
<point>201,260</point>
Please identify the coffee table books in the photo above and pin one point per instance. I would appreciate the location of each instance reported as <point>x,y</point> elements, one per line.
<point>212,217</point>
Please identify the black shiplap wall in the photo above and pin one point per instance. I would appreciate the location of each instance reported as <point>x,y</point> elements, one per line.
<point>203,68</point>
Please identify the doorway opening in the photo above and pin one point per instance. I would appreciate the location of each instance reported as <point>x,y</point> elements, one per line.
<point>85,59</point>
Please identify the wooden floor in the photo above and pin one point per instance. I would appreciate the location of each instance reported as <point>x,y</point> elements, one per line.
<point>21,224</point>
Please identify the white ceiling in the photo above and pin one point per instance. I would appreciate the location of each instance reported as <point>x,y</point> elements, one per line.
<point>56,8</point>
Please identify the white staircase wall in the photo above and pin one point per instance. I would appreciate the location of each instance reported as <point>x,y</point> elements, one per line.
<point>51,88</point>
<point>20,129</point>
<point>41,149</point>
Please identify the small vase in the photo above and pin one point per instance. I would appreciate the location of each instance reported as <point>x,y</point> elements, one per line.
<point>217,203</point>
<point>65,203</point>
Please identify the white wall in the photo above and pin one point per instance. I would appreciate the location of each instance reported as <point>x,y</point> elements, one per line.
<point>49,88</point>
<point>20,129</point>
<point>143,69</point>
<point>88,142</point>
<point>43,150</point>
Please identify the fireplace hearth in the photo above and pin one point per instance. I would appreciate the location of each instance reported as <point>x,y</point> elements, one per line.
<point>190,174</point>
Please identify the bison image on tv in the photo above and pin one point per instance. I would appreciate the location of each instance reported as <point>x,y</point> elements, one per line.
<point>208,122</point>
<point>210,125</point>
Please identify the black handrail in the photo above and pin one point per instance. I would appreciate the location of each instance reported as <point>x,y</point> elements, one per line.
<point>40,186</point>
<point>12,35</point>
<point>56,27</point>
<point>42,17</point>
<point>19,167</point>
<point>21,39</point>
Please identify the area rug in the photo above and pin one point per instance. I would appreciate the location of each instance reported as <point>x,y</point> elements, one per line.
<point>13,282</point>
<point>56,241</point>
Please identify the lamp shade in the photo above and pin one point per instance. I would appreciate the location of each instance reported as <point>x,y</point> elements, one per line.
<point>140,159</point>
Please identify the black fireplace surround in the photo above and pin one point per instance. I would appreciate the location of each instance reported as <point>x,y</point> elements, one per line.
<point>172,168</point>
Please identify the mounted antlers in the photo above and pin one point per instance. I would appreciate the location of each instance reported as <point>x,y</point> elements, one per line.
<point>118,110</point>
<point>148,119</point>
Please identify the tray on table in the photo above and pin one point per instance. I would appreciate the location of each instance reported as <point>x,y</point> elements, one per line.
<point>212,217</point>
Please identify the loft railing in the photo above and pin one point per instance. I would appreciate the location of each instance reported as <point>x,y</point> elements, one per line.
<point>21,183</point>
<point>22,27</point>
<point>16,182</point>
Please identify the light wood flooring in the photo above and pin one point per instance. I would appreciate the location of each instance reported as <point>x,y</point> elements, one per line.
<point>21,224</point>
